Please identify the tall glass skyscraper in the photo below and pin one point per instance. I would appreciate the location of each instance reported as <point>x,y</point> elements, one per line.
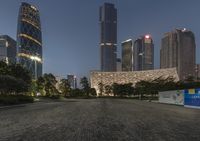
<point>127,55</point>
<point>29,39</point>
<point>108,37</point>
<point>143,53</point>
<point>178,50</point>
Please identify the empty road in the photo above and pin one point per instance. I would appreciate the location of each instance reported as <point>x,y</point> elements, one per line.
<point>99,120</point>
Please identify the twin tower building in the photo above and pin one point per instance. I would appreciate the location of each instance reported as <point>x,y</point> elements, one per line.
<point>27,50</point>
<point>177,48</point>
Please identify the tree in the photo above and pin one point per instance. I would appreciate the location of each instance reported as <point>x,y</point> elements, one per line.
<point>64,86</point>
<point>14,79</point>
<point>108,89</point>
<point>40,84</point>
<point>20,72</point>
<point>115,89</point>
<point>33,89</point>
<point>4,70</point>
<point>142,88</point>
<point>85,85</point>
<point>11,85</point>
<point>101,89</point>
<point>50,84</point>
<point>123,89</point>
<point>76,93</point>
<point>93,92</point>
<point>129,89</point>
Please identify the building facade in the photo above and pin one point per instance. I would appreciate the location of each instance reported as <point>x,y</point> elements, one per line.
<point>108,78</point>
<point>119,64</point>
<point>29,39</point>
<point>197,72</point>
<point>7,49</point>
<point>143,53</point>
<point>127,55</point>
<point>178,50</point>
<point>108,37</point>
<point>72,81</point>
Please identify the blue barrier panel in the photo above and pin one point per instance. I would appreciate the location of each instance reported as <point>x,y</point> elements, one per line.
<point>192,98</point>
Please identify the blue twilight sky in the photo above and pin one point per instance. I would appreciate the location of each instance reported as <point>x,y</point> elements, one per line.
<point>70,28</point>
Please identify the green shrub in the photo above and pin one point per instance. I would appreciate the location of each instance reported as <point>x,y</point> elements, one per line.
<point>15,99</point>
<point>55,97</point>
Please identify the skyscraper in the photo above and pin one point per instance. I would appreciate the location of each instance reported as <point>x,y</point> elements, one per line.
<point>143,53</point>
<point>7,49</point>
<point>127,55</point>
<point>108,37</point>
<point>29,39</point>
<point>178,50</point>
<point>119,64</point>
<point>72,81</point>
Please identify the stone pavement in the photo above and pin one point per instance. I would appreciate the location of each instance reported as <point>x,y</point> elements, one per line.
<point>99,120</point>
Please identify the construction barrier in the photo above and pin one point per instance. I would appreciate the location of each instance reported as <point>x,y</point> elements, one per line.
<point>192,98</point>
<point>172,97</point>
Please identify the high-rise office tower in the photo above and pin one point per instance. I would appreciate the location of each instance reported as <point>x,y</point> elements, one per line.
<point>29,39</point>
<point>178,50</point>
<point>72,81</point>
<point>127,55</point>
<point>119,64</point>
<point>108,37</point>
<point>7,49</point>
<point>143,53</point>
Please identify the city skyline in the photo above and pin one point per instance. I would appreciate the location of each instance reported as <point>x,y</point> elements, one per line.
<point>60,49</point>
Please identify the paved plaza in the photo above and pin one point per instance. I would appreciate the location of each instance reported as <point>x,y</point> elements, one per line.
<point>99,120</point>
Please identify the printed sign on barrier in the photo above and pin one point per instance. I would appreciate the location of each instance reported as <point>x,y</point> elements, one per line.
<point>172,97</point>
<point>192,98</point>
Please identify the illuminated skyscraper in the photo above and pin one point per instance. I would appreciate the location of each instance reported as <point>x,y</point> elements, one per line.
<point>178,50</point>
<point>143,53</point>
<point>127,55</point>
<point>29,39</point>
<point>7,49</point>
<point>108,37</point>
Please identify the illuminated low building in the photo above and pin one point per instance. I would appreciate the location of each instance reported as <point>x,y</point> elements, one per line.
<point>108,78</point>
